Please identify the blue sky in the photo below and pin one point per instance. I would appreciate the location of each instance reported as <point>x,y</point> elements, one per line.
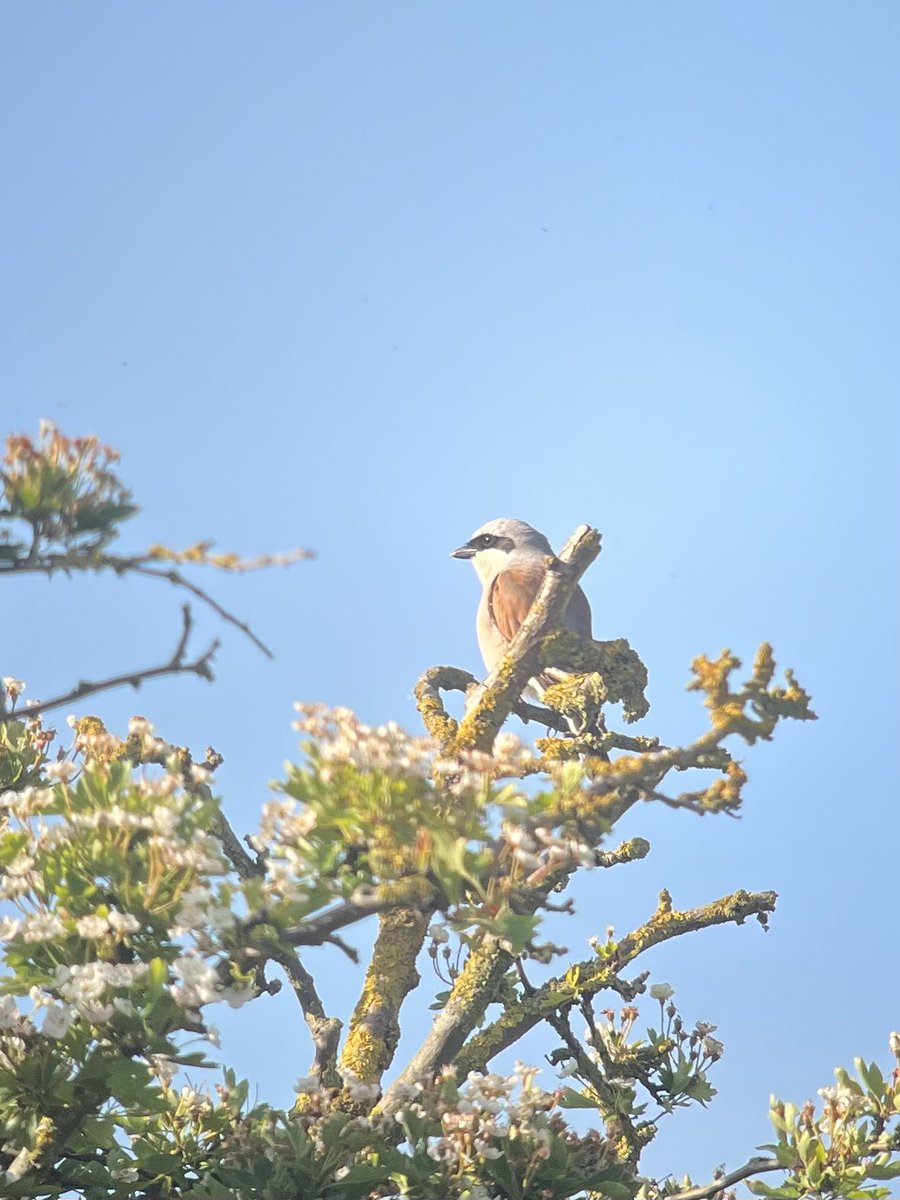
<point>360,277</point>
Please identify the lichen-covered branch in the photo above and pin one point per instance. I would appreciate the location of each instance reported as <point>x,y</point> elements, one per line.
<point>374,1026</point>
<point>594,975</point>
<point>442,727</point>
<point>474,989</point>
<point>631,851</point>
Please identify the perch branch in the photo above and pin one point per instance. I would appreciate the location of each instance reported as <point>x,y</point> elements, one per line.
<point>444,728</point>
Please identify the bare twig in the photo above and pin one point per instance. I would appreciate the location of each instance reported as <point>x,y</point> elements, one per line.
<point>175,577</point>
<point>176,665</point>
<point>245,865</point>
<point>92,559</point>
<point>352,953</point>
<point>619,1125</point>
<point>706,1191</point>
<point>325,1030</point>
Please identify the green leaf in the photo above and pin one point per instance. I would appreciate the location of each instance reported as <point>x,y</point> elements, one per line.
<point>572,1099</point>
<point>234,1177</point>
<point>787,1192</point>
<point>515,928</point>
<point>552,999</point>
<point>612,1188</point>
<point>872,1078</point>
<point>885,1171</point>
<point>157,973</point>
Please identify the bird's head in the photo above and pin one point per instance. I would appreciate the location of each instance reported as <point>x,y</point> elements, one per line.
<point>499,543</point>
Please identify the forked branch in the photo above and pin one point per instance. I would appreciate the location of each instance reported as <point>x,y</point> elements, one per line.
<point>177,664</point>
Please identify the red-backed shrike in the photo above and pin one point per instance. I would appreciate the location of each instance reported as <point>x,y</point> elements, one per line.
<point>509,557</point>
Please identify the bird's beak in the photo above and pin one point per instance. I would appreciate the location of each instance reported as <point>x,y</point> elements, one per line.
<point>463,552</point>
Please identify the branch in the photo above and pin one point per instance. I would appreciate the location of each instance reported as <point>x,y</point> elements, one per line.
<point>324,1030</point>
<point>474,989</point>
<point>756,1166</point>
<point>391,976</point>
<point>176,665</point>
<point>444,728</point>
<point>175,577</point>
<point>90,558</point>
<point>630,851</point>
<point>597,974</point>
<point>493,700</point>
<point>410,892</point>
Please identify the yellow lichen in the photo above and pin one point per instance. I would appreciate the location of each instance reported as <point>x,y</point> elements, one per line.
<point>374,1026</point>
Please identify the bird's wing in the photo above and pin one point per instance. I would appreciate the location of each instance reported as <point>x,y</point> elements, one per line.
<point>512,594</point>
<point>578,614</point>
<point>510,597</point>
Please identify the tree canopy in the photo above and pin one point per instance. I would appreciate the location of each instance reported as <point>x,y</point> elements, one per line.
<point>129,906</point>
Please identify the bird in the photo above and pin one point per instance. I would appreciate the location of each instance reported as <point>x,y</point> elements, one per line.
<point>509,557</point>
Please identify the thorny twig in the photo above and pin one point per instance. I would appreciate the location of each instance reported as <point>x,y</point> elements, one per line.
<point>177,664</point>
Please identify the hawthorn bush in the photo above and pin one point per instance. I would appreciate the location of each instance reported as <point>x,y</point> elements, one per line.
<point>129,906</point>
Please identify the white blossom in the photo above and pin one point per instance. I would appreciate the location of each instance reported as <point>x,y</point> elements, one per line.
<point>57,1021</point>
<point>122,923</point>
<point>41,927</point>
<point>9,928</point>
<point>13,687</point>
<point>199,982</point>
<point>236,997</point>
<point>220,918</point>
<point>163,1067</point>
<point>92,926</point>
<point>662,991</point>
<point>9,1013</point>
<point>361,1092</point>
